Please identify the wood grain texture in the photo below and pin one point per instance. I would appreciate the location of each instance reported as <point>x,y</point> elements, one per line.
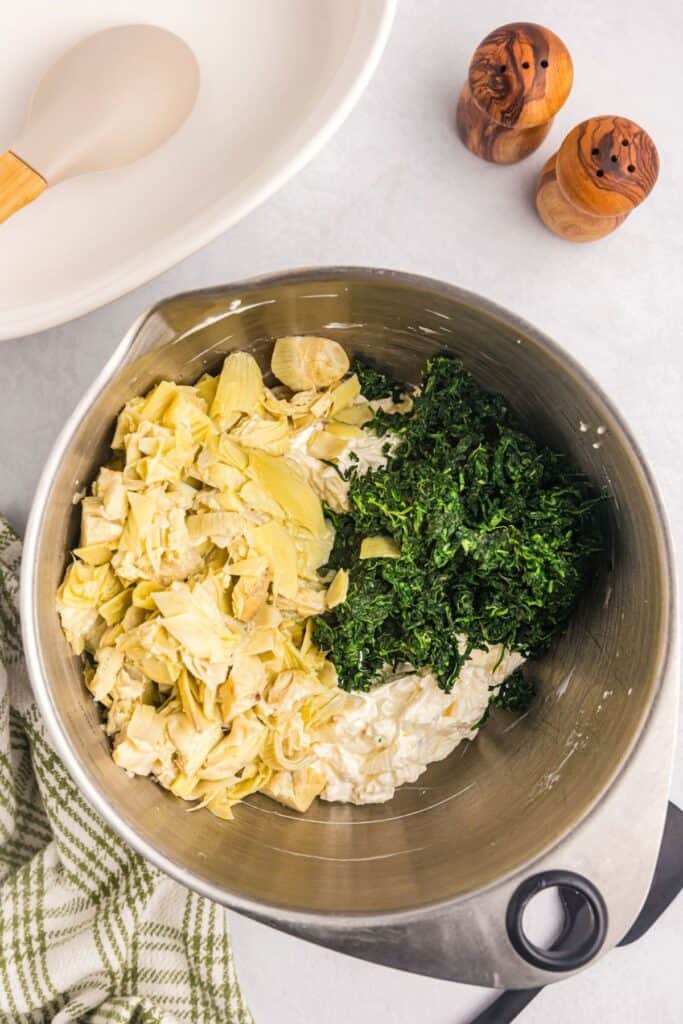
<point>566,220</point>
<point>607,165</point>
<point>519,77</point>
<point>491,141</point>
<point>19,184</point>
<point>604,169</point>
<point>521,74</point>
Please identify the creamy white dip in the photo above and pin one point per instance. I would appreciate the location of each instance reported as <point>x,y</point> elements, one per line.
<point>387,737</point>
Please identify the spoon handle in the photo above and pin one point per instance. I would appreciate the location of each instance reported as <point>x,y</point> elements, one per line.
<point>19,184</point>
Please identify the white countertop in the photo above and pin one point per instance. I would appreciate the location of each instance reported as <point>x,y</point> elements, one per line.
<point>395,188</point>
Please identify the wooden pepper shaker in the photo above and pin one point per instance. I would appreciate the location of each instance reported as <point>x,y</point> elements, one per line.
<point>604,169</point>
<point>519,77</point>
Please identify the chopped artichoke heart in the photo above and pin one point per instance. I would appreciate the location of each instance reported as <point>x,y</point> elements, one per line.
<point>240,387</point>
<point>199,571</point>
<point>249,595</point>
<point>283,481</point>
<point>157,401</point>
<point>357,415</point>
<point>113,610</point>
<point>255,565</point>
<point>338,589</point>
<point>243,688</point>
<point>109,663</point>
<point>236,750</point>
<point>94,554</point>
<point>324,445</point>
<point>347,431</point>
<point>296,789</point>
<point>231,454</point>
<point>192,745</point>
<point>269,435</point>
<point>206,387</point>
<point>379,547</point>
<point>345,394</point>
<point>274,542</point>
<point>142,595</point>
<point>187,411</point>
<point>305,361</point>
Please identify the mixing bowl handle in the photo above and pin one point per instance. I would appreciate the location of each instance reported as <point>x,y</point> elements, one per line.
<point>585,925</point>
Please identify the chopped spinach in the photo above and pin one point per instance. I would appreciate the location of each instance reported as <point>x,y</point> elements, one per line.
<point>516,694</point>
<point>375,384</point>
<point>498,537</point>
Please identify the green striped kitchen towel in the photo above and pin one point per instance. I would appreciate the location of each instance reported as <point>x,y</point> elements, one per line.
<point>88,930</point>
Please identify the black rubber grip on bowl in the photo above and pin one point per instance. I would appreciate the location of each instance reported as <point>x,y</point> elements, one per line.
<point>584,933</point>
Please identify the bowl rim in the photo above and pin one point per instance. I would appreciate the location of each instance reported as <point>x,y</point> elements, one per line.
<point>223,213</point>
<point>262,910</point>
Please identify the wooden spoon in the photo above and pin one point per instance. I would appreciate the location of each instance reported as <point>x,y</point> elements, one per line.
<point>109,100</point>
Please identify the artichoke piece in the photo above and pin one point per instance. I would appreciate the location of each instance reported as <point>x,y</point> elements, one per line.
<point>113,610</point>
<point>184,786</point>
<point>379,547</point>
<point>252,566</point>
<point>139,522</point>
<point>290,688</point>
<point>313,551</point>
<point>249,595</point>
<point>256,497</point>
<point>268,435</point>
<point>287,748</point>
<point>158,670</point>
<point>143,746</point>
<point>189,702</point>
<point>185,410</point>
<point>244,686</point>
<point>103,680</point>
<point>296,789</point>
<point>236,750</point>
<point>240,388</point>
<point>217,474</point>
<point>218,526</point>
<point>142,595</point>
<point>192,745</point>
<point>96,528</point>
<point>345,394</point>
<point>346,430</point>
<point>302,362</point>
<point>357,415</point>
<point>94,554</point>
<point>231,453</point>
<point>206,387</point>
<point>157,401</point>
<point>338,589</point>
<point>325,446</point>
<point>284,482</point>
<point>225,798</point>
<point>274,542</point>
<point>86,586</point>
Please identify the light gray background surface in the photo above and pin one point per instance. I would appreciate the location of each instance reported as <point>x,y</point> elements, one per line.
<point>395,188</point>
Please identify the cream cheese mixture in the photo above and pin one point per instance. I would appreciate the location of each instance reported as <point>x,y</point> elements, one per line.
<point>388,736</point>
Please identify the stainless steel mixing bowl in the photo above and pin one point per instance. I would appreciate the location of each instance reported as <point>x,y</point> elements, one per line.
<point>495,805</point>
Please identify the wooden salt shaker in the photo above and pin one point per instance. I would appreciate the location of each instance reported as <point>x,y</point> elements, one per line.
<point>519,77</point>
<point>604,169</point>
